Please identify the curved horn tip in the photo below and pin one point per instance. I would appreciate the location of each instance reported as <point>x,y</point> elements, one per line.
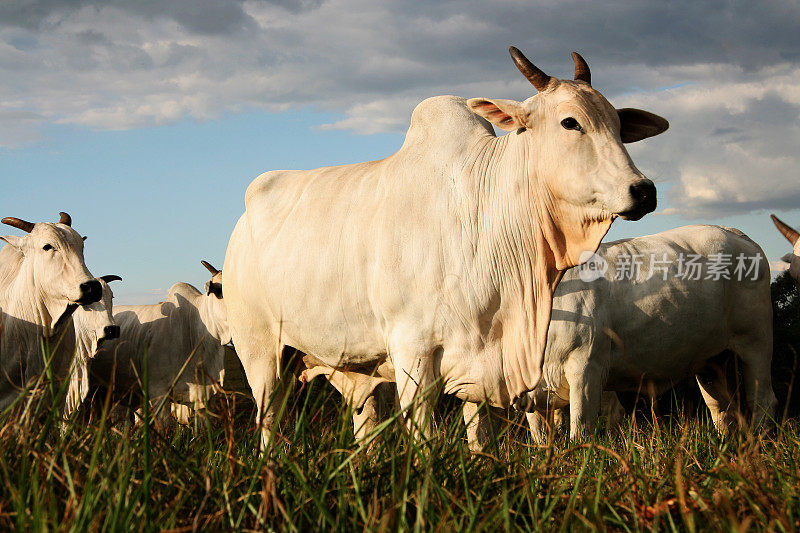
<point>786,230</point>
<point>582,72</point>
<point>108,278</point>
<point>65,219</point>
<point>534,74</point>
<point>18,223</point>
<point>210,268</point>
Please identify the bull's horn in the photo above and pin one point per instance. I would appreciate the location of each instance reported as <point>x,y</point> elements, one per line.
<point>65,219</point>
<point>24,225</point>
<point>108,278</point>
<point>582,72</point>
<point>210,268</point>
<point>538,79</point>
<point>790,234</point>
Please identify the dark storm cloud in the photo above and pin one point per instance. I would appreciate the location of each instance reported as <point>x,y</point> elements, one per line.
<point>198,16</point>
<point>726,74</point>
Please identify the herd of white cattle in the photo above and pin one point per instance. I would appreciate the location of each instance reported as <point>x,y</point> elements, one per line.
<point>445,267</point>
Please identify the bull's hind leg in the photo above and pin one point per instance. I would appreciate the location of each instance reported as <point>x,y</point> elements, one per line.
<point>756,358</point>
<point>713,384</point>
<point>366,417</point>
<point>546,422</point>
<point>752,344</point>
<point>539,426</point>
<point>480,425</point>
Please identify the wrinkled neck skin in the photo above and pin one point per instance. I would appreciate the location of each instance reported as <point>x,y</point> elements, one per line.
<point>521,235</point>
<point>85,335</point>
<point>28,314</point>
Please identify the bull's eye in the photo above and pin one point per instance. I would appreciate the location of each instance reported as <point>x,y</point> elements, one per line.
<point>47,247</point>
<point>570,123</point>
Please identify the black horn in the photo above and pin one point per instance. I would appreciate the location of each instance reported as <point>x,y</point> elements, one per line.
<point>538,79</point>
<point>582,72</point>
<point>65,219</point>
<point>108,278</point>
<point>24,225</point>
<point>210,268</point>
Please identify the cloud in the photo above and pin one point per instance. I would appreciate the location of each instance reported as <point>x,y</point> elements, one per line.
<point>778,266</point>
<point>731,147</point>
<point>726,76</point>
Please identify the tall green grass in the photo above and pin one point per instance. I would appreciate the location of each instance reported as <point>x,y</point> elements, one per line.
<point>677,474</point>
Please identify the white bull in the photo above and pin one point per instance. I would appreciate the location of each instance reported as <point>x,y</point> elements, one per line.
<point>183,340</point>
<point>93,325</point>
<point>43,279</point>
<point>665,308</point>
<point>439,261</point>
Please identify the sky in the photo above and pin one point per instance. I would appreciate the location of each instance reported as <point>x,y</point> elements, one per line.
<point>147,120</point>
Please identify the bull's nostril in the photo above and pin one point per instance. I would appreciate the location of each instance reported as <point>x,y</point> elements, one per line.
<point>639,191</point>
<point>111,332</point>
<point>91,291</point>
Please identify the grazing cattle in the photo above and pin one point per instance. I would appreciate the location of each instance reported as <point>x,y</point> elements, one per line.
<point>666,307</point>
<point>93,324</point>
<point>794,239</point>
<point>183,341</point>
<point>440,260</point>
<point>43,279</point>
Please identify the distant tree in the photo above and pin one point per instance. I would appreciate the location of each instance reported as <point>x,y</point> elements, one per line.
<point>786,344</point>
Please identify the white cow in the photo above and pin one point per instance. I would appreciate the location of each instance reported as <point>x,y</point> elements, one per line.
<point>93,325</point>
<point>439,261</point>
<point>794,239</point>
<point>666,307</point>
<point>43,278</point>
<point>183,340</point>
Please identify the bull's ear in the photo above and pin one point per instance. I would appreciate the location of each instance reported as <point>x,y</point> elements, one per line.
<point>787,258</point>
<point>507,115</point>
<point>14,241</point>
<point>635,124</point>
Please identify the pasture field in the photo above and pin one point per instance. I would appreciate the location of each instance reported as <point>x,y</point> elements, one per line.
<point>669,475</point>
<point>674,473</point>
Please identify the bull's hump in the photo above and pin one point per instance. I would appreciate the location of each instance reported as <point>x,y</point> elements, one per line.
<point>442,131</point>
<point>183,289</point>
<point>445,118</point>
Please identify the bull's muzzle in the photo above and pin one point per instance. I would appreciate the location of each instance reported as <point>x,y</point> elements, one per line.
<point>643,196</point>
<point>91,292</point>
<point>110,332</point>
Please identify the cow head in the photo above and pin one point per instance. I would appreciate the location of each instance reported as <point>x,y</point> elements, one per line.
<point>794,239</point>
<point>52,262</point>
<point>220,314</point>
<point>94,323</point>
<point>574,155</point>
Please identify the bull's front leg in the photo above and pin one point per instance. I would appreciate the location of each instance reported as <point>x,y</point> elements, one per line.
<point>585,397</point>
<point>416,389</point>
